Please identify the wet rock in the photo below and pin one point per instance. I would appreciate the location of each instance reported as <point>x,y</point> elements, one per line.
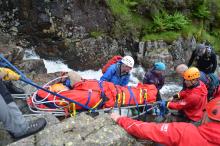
<point>34,65</point>
<point>5,138</point>
<point>90,53</point>
<point>31,140</point>
<point>181,50</point>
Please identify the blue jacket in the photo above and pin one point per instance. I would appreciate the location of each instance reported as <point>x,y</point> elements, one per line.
<point>113,74</point>
<point>152,78</point>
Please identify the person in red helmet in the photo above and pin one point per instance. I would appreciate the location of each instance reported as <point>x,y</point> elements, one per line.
<point>178,133</point>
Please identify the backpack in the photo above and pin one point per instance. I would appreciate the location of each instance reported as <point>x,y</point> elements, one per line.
<point>113,60</point>
<point>212,85</point>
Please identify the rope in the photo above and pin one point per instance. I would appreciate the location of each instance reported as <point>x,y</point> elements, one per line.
<point>134,98</point>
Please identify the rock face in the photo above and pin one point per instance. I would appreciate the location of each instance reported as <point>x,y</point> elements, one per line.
<point>91,53</point>
<point>5,138</point>
<point>36,66</point>
<point>179,51</point>
<point>79,33</point>
<point>82,130</point>
<point>72,30</point>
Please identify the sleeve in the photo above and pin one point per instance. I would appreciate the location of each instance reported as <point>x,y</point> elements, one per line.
<point>147,79</point>
<point>125,80</point>
<point>214,62</point>
<point>161,83</point>
<point>177,105</point>
<point>183,102</point>
<point>192,58</point>
<point>164,133</point>
<point>108,74</point>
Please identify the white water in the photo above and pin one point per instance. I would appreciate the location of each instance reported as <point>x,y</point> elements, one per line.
<point>55,66</point>
<point>30,54</point>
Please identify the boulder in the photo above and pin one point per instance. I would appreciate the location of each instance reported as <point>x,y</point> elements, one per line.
<point>79,131</point>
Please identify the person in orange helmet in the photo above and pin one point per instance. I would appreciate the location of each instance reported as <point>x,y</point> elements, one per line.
<point>191,100</point>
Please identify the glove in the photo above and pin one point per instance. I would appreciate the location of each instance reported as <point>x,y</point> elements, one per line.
<point>67,83</point>
<point>2,73</point>
<point>163,103</point>
<point>8,74</point>
<point>163,107</point>
<point>176,96</point>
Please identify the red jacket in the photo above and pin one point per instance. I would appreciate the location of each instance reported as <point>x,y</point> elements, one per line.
<point>192,102</point>
<point>174,134</point>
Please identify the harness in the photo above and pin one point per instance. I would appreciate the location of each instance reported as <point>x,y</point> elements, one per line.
<point>134,98</point>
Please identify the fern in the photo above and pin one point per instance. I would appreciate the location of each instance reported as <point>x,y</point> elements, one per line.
<point>202,12</point>
<point>163,22</point>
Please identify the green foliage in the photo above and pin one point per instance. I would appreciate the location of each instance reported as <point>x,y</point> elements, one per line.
<point>202,11</point>
<point>130,3</point>
<point>166,19</point>
<point>168,36</point>
<point>191,30</point>
<point>96,34</point>
<point>127,22</point>
<point>165,22</point>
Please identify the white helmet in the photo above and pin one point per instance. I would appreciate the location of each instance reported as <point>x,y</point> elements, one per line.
<point>128,60</point>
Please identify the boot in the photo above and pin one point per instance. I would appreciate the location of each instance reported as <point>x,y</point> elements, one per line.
<point>12,88</point>
<point>33,127</point>
<point>23,127</point>
<point>12,118</point>
<point>15,123</point>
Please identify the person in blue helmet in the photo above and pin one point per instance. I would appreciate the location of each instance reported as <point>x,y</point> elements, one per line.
<point>119,73</point>
<point>155,76</point>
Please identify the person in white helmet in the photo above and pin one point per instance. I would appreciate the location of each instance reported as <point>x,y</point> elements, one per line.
<point>119,73</point>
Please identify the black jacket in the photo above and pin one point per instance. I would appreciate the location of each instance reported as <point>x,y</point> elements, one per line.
<point>205,63</point>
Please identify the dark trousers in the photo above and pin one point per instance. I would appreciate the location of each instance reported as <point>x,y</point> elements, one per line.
<point>5,93</point>
<point>158,96</point>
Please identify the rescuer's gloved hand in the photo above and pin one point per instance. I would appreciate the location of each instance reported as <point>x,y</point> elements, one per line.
<point>7,74</point>
<point>176,96</point>
<point>163,103</point>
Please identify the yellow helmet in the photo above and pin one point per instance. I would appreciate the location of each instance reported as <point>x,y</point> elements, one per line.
<point>58,87</point>
<point>191,74</point>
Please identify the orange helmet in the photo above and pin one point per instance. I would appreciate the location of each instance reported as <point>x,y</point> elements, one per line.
<point>213,109</point>
<point>191,74</point>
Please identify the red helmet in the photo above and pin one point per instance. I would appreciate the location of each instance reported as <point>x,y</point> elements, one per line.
<point>213,109</point>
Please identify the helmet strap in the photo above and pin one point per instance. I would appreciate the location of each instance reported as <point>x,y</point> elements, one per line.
<point>193,84</point>
<point>205,118</point>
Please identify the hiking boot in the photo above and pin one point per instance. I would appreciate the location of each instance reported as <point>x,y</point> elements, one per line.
<point>12,88</point>
<point>33,127</point>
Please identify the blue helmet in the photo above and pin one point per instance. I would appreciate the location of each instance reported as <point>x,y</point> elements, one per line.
<point>159,66</point>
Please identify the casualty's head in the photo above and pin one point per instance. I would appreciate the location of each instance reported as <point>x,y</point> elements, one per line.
<point>159,67</point>
<point>127,63</point>
<point>191,76</point>
<point>180,69</point>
